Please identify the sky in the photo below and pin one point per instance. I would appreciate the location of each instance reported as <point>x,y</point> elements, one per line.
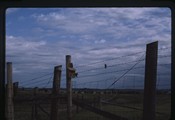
<point>37,39</point>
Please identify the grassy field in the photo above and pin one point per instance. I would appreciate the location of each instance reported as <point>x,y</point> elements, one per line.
<point>23,108</point>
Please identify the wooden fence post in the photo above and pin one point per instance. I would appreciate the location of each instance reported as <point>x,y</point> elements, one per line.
<point>55,93</point>
<point>9,97</point>
<point>69,88</point>
<point>150,81</point>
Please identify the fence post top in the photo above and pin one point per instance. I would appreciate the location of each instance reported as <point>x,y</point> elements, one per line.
<point>68,55</point>
<point>59,67</point>
<point>155,42</point>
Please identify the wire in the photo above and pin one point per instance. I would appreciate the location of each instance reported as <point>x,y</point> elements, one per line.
<point>125,73</point>
<point>110,79</point>
<point>164,56</point>
<point>121,64</point>
<point>48,81</point>
<point>34,82</point>
<point>164,48</point>
<point>96,81</point>
<point>109,72</point>
<point>118,57</point>
<point>108,59</point>
<point>111,66</point>
<point>117,71</point>
<point>38,77</point>
<point>29,82</point>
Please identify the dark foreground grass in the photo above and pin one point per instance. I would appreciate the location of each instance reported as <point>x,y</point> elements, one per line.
<point>23,110</point>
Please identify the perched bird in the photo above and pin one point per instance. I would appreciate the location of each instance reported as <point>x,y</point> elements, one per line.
<point>105,66</point>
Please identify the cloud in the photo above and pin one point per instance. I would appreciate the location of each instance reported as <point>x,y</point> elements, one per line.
<point>89,35</point>
<point>100,41</point>
<point>19,44</point>
<point>51,16</point>
<point>121,24</point>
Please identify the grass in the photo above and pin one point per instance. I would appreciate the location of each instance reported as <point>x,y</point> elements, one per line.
<point>23,110</point>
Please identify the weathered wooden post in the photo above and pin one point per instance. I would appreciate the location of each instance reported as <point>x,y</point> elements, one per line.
<point>150,81</point>
<point>9,96</point>
<point>69,88</point>
<point>55,93</point>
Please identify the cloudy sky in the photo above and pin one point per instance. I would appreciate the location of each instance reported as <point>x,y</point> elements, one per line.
<point>37,39</point>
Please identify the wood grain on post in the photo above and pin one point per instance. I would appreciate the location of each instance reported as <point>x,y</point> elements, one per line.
<point>150,82</point>
<point>10,106</point>
<point>69,88</point>
<point>55,93</point>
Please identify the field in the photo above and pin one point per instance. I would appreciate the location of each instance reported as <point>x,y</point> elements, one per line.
<point>121,104</point>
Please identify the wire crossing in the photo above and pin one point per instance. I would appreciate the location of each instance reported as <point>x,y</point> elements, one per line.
<point>39,79</point>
